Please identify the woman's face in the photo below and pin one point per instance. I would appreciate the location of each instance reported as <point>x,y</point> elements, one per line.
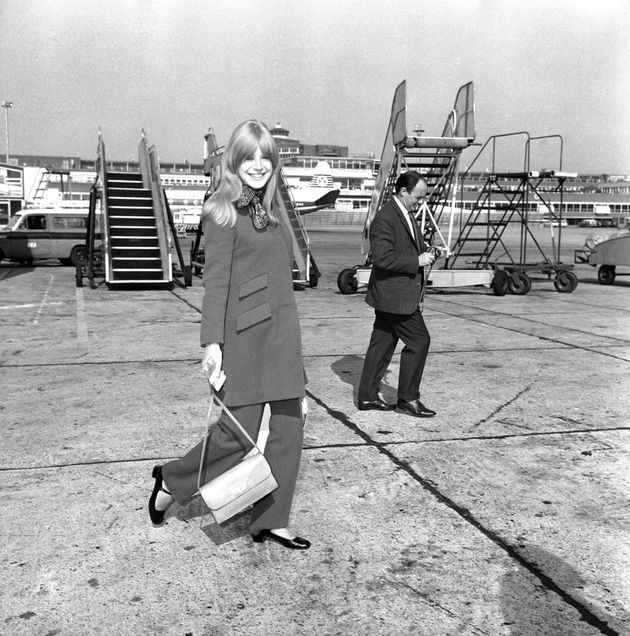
<point>255,170</point>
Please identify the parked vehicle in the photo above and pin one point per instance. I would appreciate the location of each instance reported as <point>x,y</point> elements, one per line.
<point>610,254</point>
<point>41,233</point>
<point>597,223</point>
<point>554,223</point>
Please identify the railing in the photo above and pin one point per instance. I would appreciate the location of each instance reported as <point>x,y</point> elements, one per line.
<point>396,134</point>
<point>529,185</point>
<point>101,175</point>
<point>492,142</point>
<point>462,122</point>
<point>149,168</point>
<point>528,145</point>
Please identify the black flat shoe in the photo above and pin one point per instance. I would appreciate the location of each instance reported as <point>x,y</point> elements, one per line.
<point>157,516</point>
<point>293,544</point>
<point>415,408</point>
<point>375,405</point>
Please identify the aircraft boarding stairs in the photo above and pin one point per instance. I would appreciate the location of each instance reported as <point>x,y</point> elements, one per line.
<point>305,270</point>
<point>42,186</point>
<point>135,221</point>
<point>436,158</point>
<point>482,230</point>
<point>508,199</point>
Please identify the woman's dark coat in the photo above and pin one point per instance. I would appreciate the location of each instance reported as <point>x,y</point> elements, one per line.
<point>249,309</point>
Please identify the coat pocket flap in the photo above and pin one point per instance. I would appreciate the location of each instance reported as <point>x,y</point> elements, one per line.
<point>252,285</point>
<point>253,316</point>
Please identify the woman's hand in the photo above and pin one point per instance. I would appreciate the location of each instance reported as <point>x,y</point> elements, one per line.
<point>212,361</point>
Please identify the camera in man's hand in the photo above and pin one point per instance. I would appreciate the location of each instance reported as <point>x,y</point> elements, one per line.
<point>437,251</point>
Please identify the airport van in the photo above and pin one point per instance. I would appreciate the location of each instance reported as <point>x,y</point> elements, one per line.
<point>42,233</point>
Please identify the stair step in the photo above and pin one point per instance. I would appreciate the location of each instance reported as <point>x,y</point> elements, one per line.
<point>138,275</point>
<point>498,208</point>
<point>131,221</point>
<point>133,251</point>
<point>126,181</point>
<point>474,238</point>
<point>485,223</point>
<point>143,222</point>
<point>136,264</point>
<point>120,235</point>
<point>146,202</point>
<point>128,192</point>
<point>124,218</point>
<point>123,175</point>
<point>140,241</point>
<point>152,255</point>
<point>134,234</point>
<point>123,211</point>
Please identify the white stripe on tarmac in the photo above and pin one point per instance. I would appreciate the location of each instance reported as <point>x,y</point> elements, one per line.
<point>44,299</point>
<point>28,305</point>
<point>82,330</point>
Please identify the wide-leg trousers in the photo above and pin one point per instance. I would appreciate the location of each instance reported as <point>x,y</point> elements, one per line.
<point>388,329</point>
<point>283,451</point>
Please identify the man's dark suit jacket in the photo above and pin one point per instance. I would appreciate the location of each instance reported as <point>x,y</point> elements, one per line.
<point>395,284</point>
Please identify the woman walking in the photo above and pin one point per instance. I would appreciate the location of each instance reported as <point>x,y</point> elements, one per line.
<point>250,331</point>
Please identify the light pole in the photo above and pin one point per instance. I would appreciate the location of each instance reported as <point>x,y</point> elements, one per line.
<point>6,105</point>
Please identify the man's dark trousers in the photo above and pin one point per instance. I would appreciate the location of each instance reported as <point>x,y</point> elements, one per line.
<point>388,329</point>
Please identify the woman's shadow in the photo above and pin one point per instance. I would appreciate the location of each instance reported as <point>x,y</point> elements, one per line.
<point>234,528</point>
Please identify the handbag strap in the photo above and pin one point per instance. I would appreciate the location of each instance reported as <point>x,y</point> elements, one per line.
<point>215,399</point>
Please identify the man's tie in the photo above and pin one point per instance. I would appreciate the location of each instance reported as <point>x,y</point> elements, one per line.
<point>415,229</point>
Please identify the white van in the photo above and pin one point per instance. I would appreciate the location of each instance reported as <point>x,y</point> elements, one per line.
<point>39,233</point>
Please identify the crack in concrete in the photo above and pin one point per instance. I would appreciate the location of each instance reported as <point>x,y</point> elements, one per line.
<point>408,442</point>
<point>427,600</point>
<point>545,338</point>
<point>547,582</point>
<point>502,313</point>
<point>502,406</point>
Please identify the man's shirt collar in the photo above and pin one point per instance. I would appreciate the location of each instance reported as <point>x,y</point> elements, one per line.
<point>400,205</point>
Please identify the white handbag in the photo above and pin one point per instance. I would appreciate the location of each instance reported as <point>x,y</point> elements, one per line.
<point>240,486</point>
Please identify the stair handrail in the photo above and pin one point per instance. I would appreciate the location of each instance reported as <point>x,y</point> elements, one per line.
<point>101,175</point>
<point>464,109</point>
<point>149,169</point>
<point>492,139</point>
<point>394,138</point>
<point>538,138</point>
<point>299,236</point>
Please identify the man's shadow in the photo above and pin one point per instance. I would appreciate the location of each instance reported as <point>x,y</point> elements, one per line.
<point>522,613</point>
<point>349,368</point>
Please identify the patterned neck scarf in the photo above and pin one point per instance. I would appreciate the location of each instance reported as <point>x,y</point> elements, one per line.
<point>250,197</point>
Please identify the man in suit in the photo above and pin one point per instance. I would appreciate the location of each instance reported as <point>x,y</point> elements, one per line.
<point>399,256</point>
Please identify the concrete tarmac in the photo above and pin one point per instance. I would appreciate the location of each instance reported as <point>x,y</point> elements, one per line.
<point>506,514</point>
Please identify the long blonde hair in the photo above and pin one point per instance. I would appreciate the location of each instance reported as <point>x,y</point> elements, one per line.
<point>245,139</point>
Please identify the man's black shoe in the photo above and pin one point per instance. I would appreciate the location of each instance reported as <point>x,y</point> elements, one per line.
<point>375,405</point>
<point>415,408</point>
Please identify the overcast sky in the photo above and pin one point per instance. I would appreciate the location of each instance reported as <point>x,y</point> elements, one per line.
<point>325,69</point>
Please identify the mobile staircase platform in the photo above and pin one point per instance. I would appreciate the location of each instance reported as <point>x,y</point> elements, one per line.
<point>305,270</point>
<point>136,226</point>
<point>506,200</point>
<point>435,158</point>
